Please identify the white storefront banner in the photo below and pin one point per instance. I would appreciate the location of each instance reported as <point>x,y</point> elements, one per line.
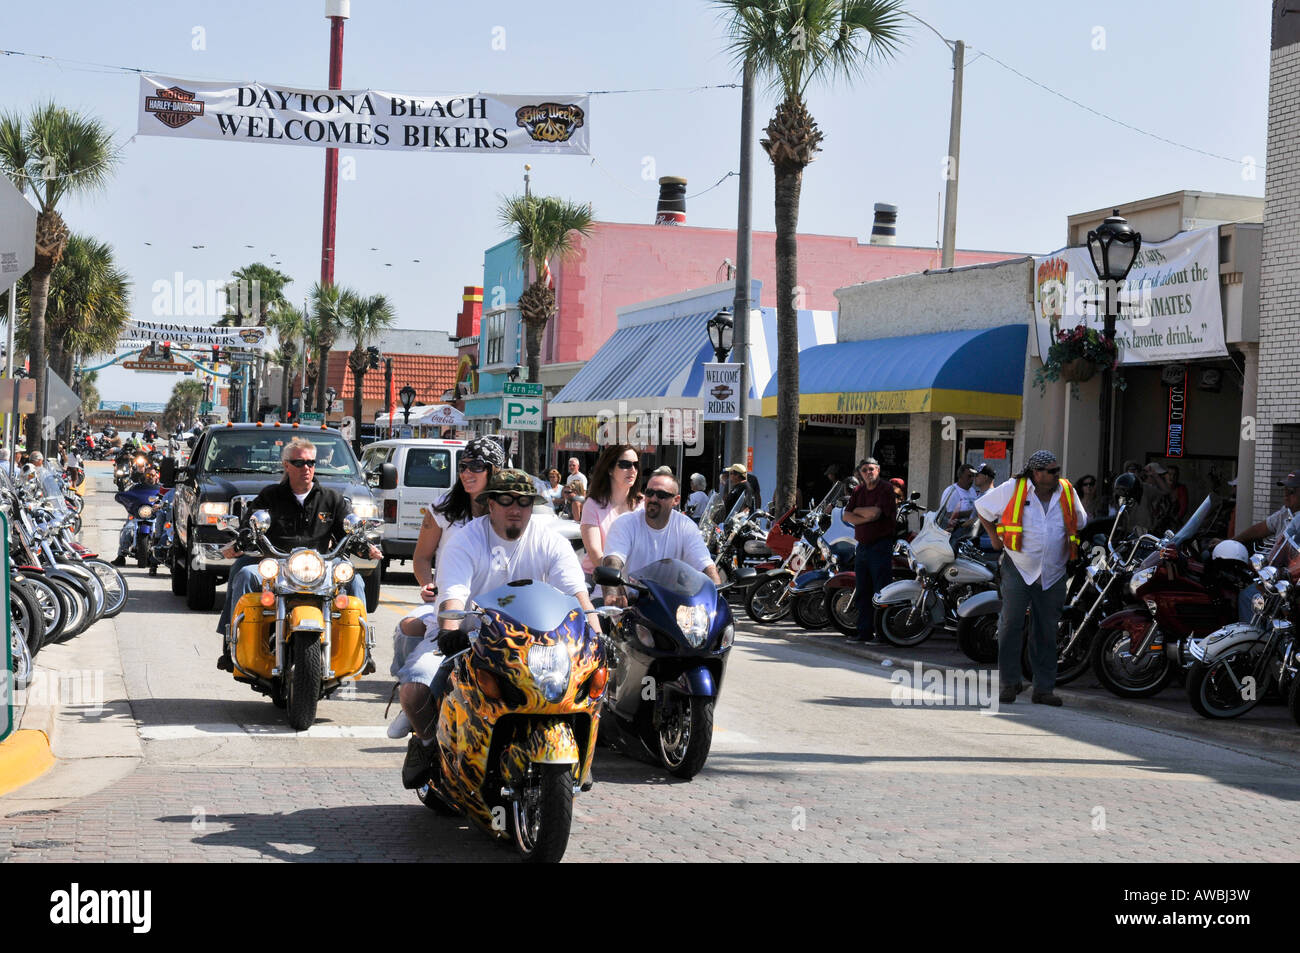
<point>363,118</point>
<point>721,392</point>
<point>140,334</point>
<point>1168,307</point>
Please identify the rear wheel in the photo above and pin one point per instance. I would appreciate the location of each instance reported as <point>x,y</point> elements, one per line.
<point>20,657</point>
<point>542,813</point>
<point>302,681</point>
<point>842,610</point>
<point>27,619</point>
<point>809,610</point>
<point>977,636</point>
<point>761,605</point>
<point>52,606</point>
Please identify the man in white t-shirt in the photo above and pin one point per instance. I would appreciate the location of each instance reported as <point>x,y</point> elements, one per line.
<point>659,531</point>
<point>490,551</point>
<point>958,501</point>
<point>576,474</point>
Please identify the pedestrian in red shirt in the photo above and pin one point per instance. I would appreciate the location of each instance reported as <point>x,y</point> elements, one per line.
<point>871,514</point>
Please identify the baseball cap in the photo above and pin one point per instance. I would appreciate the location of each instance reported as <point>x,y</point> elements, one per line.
<point>898,482</point>
<point>987,471</point>
<point>868,460</point>
<point>508,481</point>
<point>1156,468</point>
<point>737,468</point>
<point>1291,481</point>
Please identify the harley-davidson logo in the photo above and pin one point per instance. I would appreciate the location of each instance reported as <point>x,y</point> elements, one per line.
<point>721,392</point>
<point>174,107</point>
<point>550,122</point>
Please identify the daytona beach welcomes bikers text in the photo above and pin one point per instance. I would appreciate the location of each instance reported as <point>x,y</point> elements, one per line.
<point>362,132</point>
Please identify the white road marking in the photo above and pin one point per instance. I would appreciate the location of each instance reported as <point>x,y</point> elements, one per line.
<point>231,730</point>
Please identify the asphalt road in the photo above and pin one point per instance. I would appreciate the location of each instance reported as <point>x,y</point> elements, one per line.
<point>817,756</point>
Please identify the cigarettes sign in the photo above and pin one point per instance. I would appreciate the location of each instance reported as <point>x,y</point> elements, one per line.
<point>721,392</point>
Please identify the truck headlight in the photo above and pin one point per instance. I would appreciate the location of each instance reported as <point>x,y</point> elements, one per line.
<point>550,667</point>
<point>366,509</point>
<point>211,513</point>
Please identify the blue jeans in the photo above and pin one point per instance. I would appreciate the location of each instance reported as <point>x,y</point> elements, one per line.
<point>1045,607</point>
<point>873,570</point>
<point>244,579</point>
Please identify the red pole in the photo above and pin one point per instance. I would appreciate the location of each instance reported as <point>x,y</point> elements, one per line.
<point>332,155</point>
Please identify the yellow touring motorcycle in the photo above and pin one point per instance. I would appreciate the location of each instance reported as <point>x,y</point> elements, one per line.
<point>517,727</point>
<point>302,635</point>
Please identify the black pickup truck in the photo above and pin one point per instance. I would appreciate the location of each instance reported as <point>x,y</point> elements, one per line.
<point>228,466</point>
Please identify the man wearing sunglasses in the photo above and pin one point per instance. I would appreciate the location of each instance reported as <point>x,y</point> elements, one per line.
<point>658,531</point>
<point>503,546</point>
<point>1037,516</point>
<point>303,514</point>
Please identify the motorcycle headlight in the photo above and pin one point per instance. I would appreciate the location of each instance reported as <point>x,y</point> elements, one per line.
<point>366,509</point>
<point>694,623</point>
<point>145,512</point>
<point>550,667</point>
<point>1140,579</point>
<point>1257,603</point>
<point>343,573</point>
<point>306,567</point>
<point>728,637</point>
<point>268,569</point>
<point>141,461</point>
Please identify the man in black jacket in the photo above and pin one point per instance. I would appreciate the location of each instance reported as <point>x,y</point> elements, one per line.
<point>303,514</point>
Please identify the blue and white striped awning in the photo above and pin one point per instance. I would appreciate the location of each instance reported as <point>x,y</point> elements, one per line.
<point>660,364</point>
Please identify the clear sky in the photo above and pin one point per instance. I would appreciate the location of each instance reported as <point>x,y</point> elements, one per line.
<point>1192,71</point>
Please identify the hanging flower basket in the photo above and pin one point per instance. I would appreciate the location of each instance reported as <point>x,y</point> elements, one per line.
<point>1075,356</point>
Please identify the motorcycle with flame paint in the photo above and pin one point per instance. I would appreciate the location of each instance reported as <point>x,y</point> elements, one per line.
<point>517,726</point>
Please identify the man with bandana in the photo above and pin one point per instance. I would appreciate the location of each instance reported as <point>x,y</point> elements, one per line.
<point>1034,519</point>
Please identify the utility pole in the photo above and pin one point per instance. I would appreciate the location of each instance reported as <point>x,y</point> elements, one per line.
<point>954,155</point>
<point>336,11</point>
<point>744,245</point>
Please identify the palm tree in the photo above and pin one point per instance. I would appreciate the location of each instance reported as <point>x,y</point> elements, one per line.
<point>328,303</point>
<point>288,325</point>
<point>256,291</point>
<point>54,152</point>
<point>86,387</point>
<point>183,405</point>
<point>543,228</point>
<point>792,43</point>
<point>363,319</point>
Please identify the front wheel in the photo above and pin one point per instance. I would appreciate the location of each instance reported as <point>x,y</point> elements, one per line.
<point>114,583</point>
<point>809,609</point>
<point>1125,675</point>
<point>686,735</point>
<point>1219,690</point>
<point>302,681</point>
<point>904,625</point>
<point>762,605</point>
<point>977,636</point>
<point>842,610</point>
<point>542,813</point>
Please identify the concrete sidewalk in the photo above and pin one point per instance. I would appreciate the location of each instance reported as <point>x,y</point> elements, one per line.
<point>1268,725</point>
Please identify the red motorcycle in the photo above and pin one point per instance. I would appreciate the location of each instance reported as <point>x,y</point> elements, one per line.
<point>1179,594</point>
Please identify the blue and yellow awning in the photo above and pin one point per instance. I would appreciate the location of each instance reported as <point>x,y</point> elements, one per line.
<point>979,373</point>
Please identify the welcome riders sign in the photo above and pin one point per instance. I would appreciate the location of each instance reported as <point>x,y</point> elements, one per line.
<point>363,118</point>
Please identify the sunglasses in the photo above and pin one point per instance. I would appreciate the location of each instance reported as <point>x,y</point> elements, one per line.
<point>300,464</point>
<point>513,499</point>
<point>660,494</point>
<point>473,466</point>
<point>627,464</point>
<point>1087,483</point>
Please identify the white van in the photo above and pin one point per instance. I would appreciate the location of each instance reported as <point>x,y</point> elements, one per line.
<point>426,469</point>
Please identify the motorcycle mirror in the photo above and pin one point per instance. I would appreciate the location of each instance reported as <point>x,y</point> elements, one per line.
<point>260,521</point>
<point>452,615</point>
<point>608,576</point>
<point>352,524</point>
<point>167,472</point>
<point>915,495</point>
<point>610,612</point>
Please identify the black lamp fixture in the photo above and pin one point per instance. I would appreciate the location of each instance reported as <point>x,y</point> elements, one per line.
<point>407,396</point>
<point>1114,247</point>
<point>721,329</point>
<point>330,394</point>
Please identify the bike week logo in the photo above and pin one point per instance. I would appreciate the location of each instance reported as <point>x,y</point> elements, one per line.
<point>550,122</point>
<point>174,107</point>
<point>252,335</point>
<point>76,906</point>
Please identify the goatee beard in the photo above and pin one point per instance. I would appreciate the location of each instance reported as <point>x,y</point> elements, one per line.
<point>513,532</point>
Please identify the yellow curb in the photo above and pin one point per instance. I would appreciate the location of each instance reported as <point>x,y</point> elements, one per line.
<point>24,756</point>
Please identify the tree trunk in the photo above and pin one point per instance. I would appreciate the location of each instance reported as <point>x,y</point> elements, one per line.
<point>532,440</point>
<point>39,300</point>
<point>358,384</point>
<point>323,370</point>
<point>284,390</point>
<point>789,180</point>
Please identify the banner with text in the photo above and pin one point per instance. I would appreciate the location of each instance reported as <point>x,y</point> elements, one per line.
<point>363,118</point>
<point>721,392</point>
<point>140,334</point>
<point>1168,307</point>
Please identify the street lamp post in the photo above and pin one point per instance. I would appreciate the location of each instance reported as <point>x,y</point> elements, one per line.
<point>407,396</point>
<point>721,330</point>
<point>1113,246</point>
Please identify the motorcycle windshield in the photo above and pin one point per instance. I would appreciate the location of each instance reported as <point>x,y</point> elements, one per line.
<point>1194,522</point>
<point>674,576</point>
<point>526,602</point>
<point>1286,550</point>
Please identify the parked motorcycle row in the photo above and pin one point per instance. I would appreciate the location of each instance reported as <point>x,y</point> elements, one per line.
<point>1142,612</point>
<point>57,587</point>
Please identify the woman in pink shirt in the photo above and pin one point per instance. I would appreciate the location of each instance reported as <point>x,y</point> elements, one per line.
<point>615,489</point>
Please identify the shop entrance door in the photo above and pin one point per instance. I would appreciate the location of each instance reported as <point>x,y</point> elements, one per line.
<point>993,447</point>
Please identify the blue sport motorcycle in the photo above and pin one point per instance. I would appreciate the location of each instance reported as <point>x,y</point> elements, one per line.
<point>142,502</point>
<point>670,649</point>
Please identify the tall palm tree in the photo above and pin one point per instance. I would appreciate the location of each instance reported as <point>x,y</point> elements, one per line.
<point>183,405</point>
<point>363,319</point>
<point>543,228</point>
<point>54,152</point>
<point>87,388</point>
<point>328,303</point>
<point>256,291</point>
<point>792,43</point>
<point>287,323</point>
